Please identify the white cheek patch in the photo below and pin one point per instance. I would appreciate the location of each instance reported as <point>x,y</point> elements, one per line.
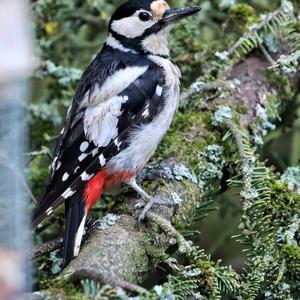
<point>131,27</point>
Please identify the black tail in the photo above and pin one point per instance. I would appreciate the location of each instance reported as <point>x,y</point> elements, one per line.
<point>75,219</point>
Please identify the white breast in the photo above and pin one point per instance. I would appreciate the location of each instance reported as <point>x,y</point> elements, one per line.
<point>144,140</point>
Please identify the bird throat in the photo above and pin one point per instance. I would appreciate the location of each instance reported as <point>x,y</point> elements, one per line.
<point>155,43</point>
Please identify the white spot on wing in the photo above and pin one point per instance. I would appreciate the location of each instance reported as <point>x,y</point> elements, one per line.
<point>49,211</point>
<point>84,146</point>
<point>159,90</point>
<point>65,177</point>
<point>95,152</point>
<point>76,169</point>
<point>146,113</point>
<point>54,163</point>
<point>117,143</point>
<point>82,156</point>
<point>58,165</point>
<point>62,131</point>
<point>86,177</point>
<point>102,160</point>
<point>79,235</point>
<point>68,193</point>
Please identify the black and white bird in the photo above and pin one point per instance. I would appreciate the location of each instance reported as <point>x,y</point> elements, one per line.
<point>123,107</point>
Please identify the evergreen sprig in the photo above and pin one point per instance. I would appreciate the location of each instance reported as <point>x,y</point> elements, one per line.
<point>281,22</point>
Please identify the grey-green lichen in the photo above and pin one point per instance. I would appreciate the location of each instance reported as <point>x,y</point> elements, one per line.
<point>107,221</point>
<point>292,177</point>
<point>65,75</point>
<point>289,64</point>
<point>57,261</point>
<point>210,167</point>
<point>289,235</point>
<point>265,119</point>
<point>181,172</point>
<point>176,198</point>
<point>224,112</point>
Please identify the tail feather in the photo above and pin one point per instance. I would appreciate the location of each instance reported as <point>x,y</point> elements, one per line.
<point>76,208</point>
<point>75,213</point>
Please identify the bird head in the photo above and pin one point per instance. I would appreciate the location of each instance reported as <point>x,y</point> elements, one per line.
<point>143,25</point>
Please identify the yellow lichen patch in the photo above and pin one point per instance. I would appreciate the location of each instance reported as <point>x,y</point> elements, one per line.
<point>158,8</point>
<point>51,28</point>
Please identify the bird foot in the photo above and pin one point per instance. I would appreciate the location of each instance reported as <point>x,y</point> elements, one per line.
<point>156,200</point>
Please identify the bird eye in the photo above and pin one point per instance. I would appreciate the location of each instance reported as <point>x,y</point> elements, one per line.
<point>144,16</point>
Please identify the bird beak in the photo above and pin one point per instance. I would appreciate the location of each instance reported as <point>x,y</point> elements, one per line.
<point>173,15</point>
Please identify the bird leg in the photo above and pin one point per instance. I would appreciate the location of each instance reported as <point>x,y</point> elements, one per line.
<point>150,201</point>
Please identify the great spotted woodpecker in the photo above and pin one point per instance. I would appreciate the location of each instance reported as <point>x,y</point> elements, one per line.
<point>123,107</point>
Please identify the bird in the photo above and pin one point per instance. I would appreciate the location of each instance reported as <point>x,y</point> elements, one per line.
<point>123,106</point>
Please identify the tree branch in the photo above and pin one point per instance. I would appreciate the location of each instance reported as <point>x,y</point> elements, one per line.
<point>45,248</point>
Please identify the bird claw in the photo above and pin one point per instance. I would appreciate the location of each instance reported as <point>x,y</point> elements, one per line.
<point>138,206</point>
<point>148,206</point>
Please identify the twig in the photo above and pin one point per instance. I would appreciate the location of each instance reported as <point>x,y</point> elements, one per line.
<point>46,248</point>
<point>184,246</point>
<point>99,277</point>
<point>266,54</point>
<point>255,29</point>
<point>246,169</point>
<point>200,86</point>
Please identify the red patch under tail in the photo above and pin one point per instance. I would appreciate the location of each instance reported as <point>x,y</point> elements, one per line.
<point>94,189</point>
<point>102,181</point>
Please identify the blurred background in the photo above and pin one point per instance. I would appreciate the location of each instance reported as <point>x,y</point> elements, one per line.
<point>16,65</point>
<point>67,35</point>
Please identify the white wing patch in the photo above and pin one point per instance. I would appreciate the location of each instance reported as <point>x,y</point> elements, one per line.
<point>101,121</point>
<point>113,86</point>
<point>68,193</point>
<point>86,177</point>
<point>82,157</point>
<point>102,160</point>
<point>104,106</point>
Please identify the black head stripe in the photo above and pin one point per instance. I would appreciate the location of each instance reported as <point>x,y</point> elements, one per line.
<point>135,43</point>
<point>129,8</point>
